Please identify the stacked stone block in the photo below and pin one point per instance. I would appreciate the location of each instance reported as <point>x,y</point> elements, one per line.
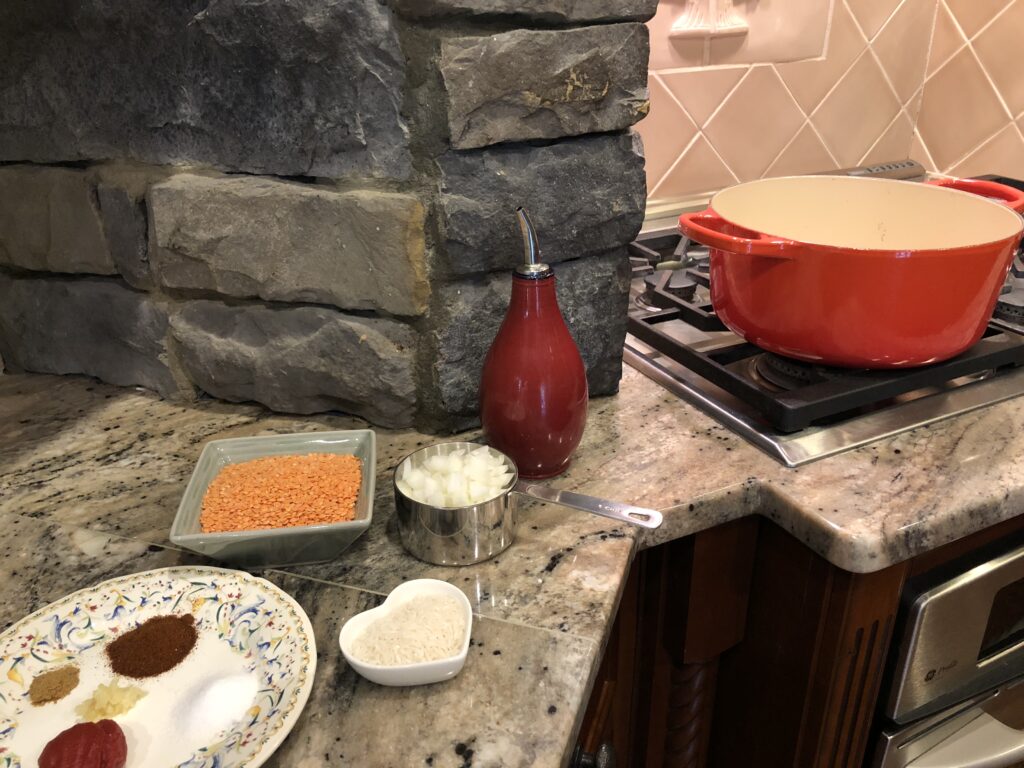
<point>309,203</point>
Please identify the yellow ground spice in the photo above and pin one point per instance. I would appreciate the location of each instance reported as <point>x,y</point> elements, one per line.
<point>53,685</point>
<point>281,492</point>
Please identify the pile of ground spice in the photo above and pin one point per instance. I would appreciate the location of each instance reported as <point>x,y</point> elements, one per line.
<point>153,647</point>
<point>281,492</point>
<point>53,685</point>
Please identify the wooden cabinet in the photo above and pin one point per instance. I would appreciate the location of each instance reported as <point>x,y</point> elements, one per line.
<point>740,647</point>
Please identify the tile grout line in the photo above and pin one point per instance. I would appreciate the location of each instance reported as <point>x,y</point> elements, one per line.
<point>885,76</point>
<point>788,144</point>
<point>974,149</point>
<point>885,23</point>
<point>927,152</point>
<point>882,135</point>
<point>714,149</point>
<point>686,148</point>
<point>726,98</point>
<point>987,24</point>
<point>700,130</point>
<point>824,143</point>
<point>1017,127</point>
<point>677,102</point>
<point>828,29</point>
<point>807,119</point>
<point>963,36</point>
<point>840,79</point>
<point>990,81</point>
<point>677,161</point>
<point>892,87</point>
<point>797,132</point>
<point>988,78</point>
<point>939,5</point>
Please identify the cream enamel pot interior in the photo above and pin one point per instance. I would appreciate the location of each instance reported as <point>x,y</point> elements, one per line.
<point>859,272</point>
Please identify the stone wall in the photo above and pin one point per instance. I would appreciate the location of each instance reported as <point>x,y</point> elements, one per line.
<point>309,203</point>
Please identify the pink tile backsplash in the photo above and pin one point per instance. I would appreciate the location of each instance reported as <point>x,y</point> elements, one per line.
<point>787,117</point>
<point>973,15</point>
<point>936,80</point>
<point>947,40</point>
<point>972,101</point>
<point>702,91</point>
<point>755,123</point>
<point>902,46</point>
<point>857,112</point>
<point>959,111</point>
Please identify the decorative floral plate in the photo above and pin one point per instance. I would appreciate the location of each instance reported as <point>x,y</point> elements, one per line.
<point>229,704</point>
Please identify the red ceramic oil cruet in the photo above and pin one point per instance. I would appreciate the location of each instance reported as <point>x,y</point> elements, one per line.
<point>533,392</point>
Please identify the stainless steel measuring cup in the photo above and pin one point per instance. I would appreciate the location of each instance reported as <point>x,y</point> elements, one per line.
<point>466,535</point>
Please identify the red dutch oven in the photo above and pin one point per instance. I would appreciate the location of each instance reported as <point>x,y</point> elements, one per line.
<point>859,272</point>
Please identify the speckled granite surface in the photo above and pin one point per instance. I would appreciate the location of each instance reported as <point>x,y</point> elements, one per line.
<point>90,478</point>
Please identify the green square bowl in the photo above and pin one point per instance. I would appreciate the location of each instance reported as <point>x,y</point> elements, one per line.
<point>276,546</point>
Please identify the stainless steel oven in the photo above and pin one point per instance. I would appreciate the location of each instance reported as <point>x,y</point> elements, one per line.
<point>955,692</point>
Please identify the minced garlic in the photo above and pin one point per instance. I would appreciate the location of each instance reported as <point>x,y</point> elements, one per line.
<point>109,701</point>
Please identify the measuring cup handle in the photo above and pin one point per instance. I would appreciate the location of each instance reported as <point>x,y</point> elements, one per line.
<point>625,513</point>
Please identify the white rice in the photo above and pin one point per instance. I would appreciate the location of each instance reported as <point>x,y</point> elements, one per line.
<point>425,628</point>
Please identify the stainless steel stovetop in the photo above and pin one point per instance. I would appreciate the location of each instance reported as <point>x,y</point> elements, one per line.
<point>938,400</point>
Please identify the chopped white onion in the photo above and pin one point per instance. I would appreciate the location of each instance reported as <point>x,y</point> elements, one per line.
<point>461,478</point>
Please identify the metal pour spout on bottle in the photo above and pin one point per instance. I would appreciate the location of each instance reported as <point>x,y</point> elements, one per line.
<point>533,390</point>
<point>532,267</point>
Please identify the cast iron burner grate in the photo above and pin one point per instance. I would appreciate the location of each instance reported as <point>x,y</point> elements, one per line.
<point>799,412</point>
<point>821,396</point>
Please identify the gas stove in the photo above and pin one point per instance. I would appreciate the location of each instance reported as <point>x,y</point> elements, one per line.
<point>799,412</point>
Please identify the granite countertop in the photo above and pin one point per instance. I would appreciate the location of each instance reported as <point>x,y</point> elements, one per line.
<point>91,475</point>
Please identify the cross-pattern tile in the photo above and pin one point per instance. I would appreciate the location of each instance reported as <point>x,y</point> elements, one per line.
<point>902,46</point>
<point>755,123</point>
<point>702,91</point>
<point>936,79</point>
<point>699,161</point>
<point>947,39</point>
<point>855,103</point>
<point>666,132</point>
<point>973,15</point>
<point>892,143</point>
<point>872,14</point>
<point>857,111</point>
<point>973,90</point>
<point>805,154</point>
<point>998,49</point>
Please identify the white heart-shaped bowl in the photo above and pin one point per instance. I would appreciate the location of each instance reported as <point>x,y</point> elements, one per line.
<point>407,674</point>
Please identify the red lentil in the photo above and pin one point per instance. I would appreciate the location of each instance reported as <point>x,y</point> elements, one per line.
<point>281,492</point>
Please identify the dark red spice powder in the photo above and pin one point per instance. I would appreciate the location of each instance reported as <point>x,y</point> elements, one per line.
<point>153,647</point>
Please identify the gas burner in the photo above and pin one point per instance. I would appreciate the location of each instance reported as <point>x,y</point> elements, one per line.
<point>673,281</point>
<point>1011,306</point>
<point>784,373</point>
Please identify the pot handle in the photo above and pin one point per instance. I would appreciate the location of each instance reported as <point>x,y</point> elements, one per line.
<point>708,228</point>
<point>1000,193</point>
<point>624,513</point>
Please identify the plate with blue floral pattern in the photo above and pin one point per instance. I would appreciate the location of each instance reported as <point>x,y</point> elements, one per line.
<point>229,704</point>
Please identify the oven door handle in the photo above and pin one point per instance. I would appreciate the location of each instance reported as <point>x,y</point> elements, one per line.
<point>985,742</point>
